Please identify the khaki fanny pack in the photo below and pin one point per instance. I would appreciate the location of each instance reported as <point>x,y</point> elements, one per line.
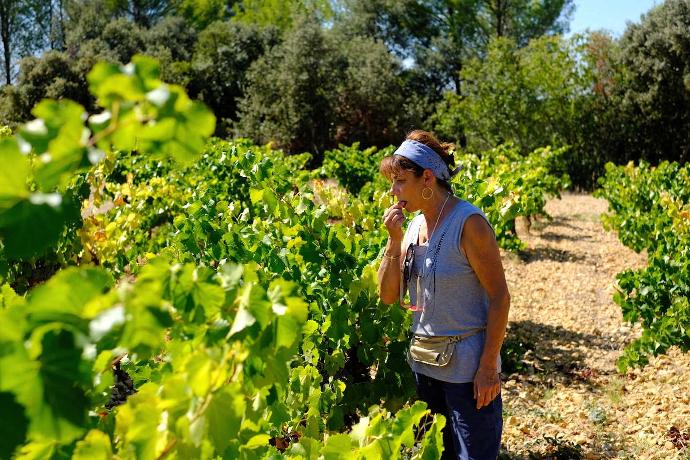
<point>436,350</point>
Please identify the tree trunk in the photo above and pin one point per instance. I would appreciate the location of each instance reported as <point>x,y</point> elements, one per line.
<point>6,7</point>
<point>456,78</point>
<point>500,13</point>
<point>58,35</point>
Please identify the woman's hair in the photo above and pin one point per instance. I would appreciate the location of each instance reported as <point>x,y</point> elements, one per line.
<point>393,165</point>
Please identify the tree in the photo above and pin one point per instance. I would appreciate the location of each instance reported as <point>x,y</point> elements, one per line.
<point>523,20</point>
<point>202,13</point>
<point>317,89</point>
<point>171,41</point>
<point>526,96</point>
<point>223,54</point>
<point>655,91</point>
<point>144,13</point>
<point>281,13</point>
<point>289,92</point>
<point>600,131</point>
<point>27,27</point>
<point>51,76</point>
<point>439,36</point>
<point>92,37</point>
<point>397,23</point>
<point>370,106</point>
<point>551,92</point>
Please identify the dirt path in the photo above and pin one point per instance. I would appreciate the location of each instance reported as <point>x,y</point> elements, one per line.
<point>562,309</point>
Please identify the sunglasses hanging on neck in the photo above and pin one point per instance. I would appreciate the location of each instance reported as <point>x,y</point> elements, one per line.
<point>407,275</point>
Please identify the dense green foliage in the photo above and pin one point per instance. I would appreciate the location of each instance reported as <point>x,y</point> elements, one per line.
<point>506,184</point>
<point>530,96</point>
<point>227,277</point>
<point>222,56</point>
<point>655,96</point>
<point>384,65</point>
<point>312,92</point>
<point>288,99</point>
<point>608,100</point>
<point>352,167</point>
<point>650,210</point>
<point>441,35</point>
<point>478,72</point>
<point>552,91</point>
<point>202,342</point>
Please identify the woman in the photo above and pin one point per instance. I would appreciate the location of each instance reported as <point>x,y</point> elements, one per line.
<point>449,260</point>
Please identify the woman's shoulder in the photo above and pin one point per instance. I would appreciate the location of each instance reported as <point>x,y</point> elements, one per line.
<point>472,217</point>
<point>468,208</point>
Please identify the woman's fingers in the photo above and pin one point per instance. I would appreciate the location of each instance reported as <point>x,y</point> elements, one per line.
<point>491,394</point>
<point>486,388</point>
<point>393,218</point>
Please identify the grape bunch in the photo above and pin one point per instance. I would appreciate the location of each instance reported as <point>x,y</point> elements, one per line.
<point>122,388</point>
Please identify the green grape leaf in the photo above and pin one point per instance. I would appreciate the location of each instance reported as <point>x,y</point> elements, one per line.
<point>224,416</point>
<point>405,420</point>
<point>292,313</point>
<point>38,450</point>
<point>12,434</point>
<point>125,137</point>
<point>256,195</point>
<point>49,387</point>
<point>137,423</point>
<point>65,296</point>
<point>114,87</point>
<point>338,447</point>
<point>95,446</point>
<point>13,174</point>
<point>144,329</point>
<point>147,69</point>
<point>258,441</point>
<point>59,138</point>
<point>289,328</point>
<point>198,283</point>
<point>9,298</point>
<point>199,369</point>
<point>99,75</point>
<point>432,443</point>
<point>32,225</point>
<point>253,307</point>
<point>307,448</point>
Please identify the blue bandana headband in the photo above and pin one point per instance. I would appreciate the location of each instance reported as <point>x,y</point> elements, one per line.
<point>426,158</point>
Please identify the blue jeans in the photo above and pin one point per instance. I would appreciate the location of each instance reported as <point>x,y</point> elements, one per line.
<point>470,434</point>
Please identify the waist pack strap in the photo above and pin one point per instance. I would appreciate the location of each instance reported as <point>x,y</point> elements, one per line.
<point>447,338</point>
<point>458,338</point>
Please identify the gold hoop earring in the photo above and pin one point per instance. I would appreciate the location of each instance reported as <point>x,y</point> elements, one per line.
<point>430,196</point>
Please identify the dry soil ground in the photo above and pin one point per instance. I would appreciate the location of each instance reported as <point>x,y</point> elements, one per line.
<point>562,288</point>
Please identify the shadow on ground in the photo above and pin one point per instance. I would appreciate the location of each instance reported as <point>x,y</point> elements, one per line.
<point>546,253</point>
<point>534,348</point>
<point>552,236</point>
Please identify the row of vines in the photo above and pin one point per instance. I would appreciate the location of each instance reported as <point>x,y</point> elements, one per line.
<point>649,208</point>
<point>163,294</point>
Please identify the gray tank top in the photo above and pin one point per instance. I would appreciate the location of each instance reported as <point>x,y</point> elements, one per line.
<point>455,301</point>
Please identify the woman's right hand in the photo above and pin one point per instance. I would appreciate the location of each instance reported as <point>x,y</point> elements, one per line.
<point>393,218</point>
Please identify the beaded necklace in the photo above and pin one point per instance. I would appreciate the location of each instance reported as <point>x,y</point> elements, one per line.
<point>421,277</point>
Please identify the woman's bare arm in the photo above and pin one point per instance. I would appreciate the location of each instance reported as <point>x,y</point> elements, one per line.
<point>479,244</point>
<point>389,272</point>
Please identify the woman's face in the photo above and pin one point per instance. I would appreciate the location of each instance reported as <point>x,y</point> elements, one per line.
<point>408,189</point>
